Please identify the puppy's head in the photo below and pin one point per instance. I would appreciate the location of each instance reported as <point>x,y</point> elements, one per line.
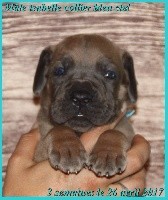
<point>84,80</point>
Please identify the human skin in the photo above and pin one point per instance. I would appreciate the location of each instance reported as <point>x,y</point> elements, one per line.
<point>24,177</point>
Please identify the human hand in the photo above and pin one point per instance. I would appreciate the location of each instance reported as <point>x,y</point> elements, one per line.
<point>24,177</point>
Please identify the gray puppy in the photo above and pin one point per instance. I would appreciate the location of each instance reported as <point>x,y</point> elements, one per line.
<point>83,82</point>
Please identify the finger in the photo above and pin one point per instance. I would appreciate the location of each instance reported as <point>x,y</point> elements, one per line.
<point>140,147</point>
<point>26,146</point>
<point>90,138</point>
<point>134,183</point>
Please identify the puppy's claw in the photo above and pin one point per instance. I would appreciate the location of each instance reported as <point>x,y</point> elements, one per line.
<point>107,174</point>
<point>85,166</point>
<point>56,167</point>
<point>99,174</point>
<point>68,172</point>
<point>119,171</point>
<point>76,172</point>
<point>90,167</point>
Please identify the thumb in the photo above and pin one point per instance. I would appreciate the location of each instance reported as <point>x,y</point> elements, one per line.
<point>90,138</point>
<point>26,146</point>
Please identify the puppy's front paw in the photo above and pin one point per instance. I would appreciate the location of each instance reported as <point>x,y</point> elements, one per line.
<point>108,156</point>
<point>107,163</point>
<point>70,157</point>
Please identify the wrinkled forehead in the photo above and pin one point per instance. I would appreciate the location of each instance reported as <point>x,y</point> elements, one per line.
<point>87,56</point>
<point>89,50</point>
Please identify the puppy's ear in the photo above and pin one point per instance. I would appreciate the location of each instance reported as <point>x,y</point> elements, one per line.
<point>41,71</point>
<point>128,64</point>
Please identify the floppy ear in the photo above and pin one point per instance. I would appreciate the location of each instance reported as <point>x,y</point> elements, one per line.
<point>41,71</point>
<point>128,64</point>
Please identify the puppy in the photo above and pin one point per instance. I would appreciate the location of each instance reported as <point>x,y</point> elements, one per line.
<point>83,82</point>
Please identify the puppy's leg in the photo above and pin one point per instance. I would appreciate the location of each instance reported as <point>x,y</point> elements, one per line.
<point>108,156</point>
<point>63,149</point>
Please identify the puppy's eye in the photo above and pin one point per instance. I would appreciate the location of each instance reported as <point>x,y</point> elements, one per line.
<point>59,71</point>
<point>110,74</point>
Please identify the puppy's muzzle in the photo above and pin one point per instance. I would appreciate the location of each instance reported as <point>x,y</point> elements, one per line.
<point>81,98</point>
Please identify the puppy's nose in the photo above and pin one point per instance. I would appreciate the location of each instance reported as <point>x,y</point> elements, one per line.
<point>81,97</point>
